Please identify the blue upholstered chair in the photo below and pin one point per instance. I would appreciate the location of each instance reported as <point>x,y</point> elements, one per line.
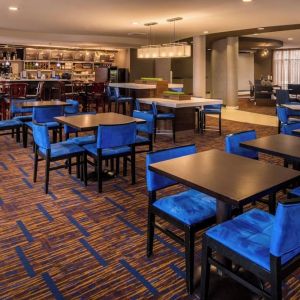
<point>121,100</point>
<point>214,109</point>
<point>145,128</point>
<point>19,113</point>
<point>73,108</point>
<point>138,107</point>
<point>8,127</point>
<point>288,128</point>
<point>111,97</point>
<point>284,117</point>
<point>268,246</point>
<point>79,140</point>
<point>283,97</point>
<point>189,211</point>
<point>45,115</point>
<point>113,141</point>
<point>232,144</point>
<point>53,152</point>
<point>162,116</point>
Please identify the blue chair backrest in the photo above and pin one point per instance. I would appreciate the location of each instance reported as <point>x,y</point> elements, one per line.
<point>137,105</point>
<point>213,106</point>
<point>116,92</point>
<point>46,114</point>
<point>16,106</point>
<point>282,97</point>
<point>41,136</point>
<point>111,136</point>
<point>232,144</point>
<point>288,128</point>
<point>154,108</point>
<point>285,240</point>
<point>282,114</point>
<point>147,127</point>
<point>73,109</point>
<point>156,181</point>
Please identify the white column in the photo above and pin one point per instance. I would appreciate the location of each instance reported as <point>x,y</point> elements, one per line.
<point>232,72</point>
<point>224,71</point>
<point>199,66</point>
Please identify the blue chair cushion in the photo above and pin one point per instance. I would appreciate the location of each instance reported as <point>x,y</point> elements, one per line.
<point>189,207</point>
<point>248,235</point>
<point>141,139</point>
<point>83,140</point>
<point>63,149</point>
<point>7,124</point>
<point>165,116</point>
<point>92,148</point>
<point>27,118</point>
<point>295,192</point>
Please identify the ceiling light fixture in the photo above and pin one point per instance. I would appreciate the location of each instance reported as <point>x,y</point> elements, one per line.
<point>13,8</point>
<point>290,38</point>
<point>205,32</point>
<point>135,23</point>
<point>168,50</point>
<point>247,0</point>
<point>260,28</point>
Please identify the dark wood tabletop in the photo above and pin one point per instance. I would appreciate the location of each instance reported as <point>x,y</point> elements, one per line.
<point>231,179</point>
<point>282,145</point>
<point>89,122</point>
<point>31,104</point>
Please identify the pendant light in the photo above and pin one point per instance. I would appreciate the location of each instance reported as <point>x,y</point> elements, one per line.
<point>169,50</point>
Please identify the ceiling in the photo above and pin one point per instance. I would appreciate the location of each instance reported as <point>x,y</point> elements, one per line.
<point>98,23</point>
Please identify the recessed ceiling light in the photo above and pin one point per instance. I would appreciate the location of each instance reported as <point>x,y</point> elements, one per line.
<point>13,8</point>
<point>135,23</point>
<point>255,33</point>
<point>260,28</point>
<point>290,38</point>
<point>247,0</point>
<point>205,32</point>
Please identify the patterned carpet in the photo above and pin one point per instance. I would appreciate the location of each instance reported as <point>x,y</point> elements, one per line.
<point>77,244</point>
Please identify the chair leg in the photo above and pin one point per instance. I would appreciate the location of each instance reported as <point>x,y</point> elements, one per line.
<point>276,284</point>
<point>117,166</point>
<point>36,161</point>
<point>133,167</point>
<point>99,174</point>
<point>18,135</point>
<point>124,166</point>
<point>189,260</point>
<point>47,175</point>
<point>25,135</point>
<point>78,166</point>
<point>155,128</point>
<point>220,124</point>
<point>205,270</point>
<point>173,130</point>
<point>70,165</point>
<point>85,168</point>
<point>150,232</point>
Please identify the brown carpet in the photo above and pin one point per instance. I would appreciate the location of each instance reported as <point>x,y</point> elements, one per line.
<point>77,244</point>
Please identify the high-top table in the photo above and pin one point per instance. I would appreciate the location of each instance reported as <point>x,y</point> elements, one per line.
<point>85,122</point>
<point>184,110</point>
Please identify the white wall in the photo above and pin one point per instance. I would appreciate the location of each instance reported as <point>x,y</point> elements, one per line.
<point>245,70</point>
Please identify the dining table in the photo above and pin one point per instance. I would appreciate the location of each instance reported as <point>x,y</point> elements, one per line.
<point>233,180</point>
<point>85,122</point>
<point>281,145</point>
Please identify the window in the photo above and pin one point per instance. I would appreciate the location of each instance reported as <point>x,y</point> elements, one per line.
<point>286,67</point>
